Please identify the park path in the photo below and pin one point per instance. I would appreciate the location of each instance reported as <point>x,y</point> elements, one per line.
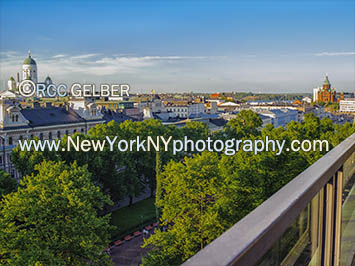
<point>129,253</point>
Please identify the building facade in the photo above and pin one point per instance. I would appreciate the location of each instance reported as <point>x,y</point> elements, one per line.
<point>326,93</point>
<point>44,122</point>
<point>347,105</point>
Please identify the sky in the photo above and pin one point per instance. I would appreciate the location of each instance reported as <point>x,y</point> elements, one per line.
<point>183,46</point>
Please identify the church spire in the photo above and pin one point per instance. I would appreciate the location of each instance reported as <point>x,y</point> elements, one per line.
<point>29,53</point>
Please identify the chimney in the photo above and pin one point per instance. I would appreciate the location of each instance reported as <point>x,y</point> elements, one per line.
<point>66,107</point>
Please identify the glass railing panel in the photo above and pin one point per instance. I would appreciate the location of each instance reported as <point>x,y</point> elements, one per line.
<point>299,245</point>
<point>347,247</point>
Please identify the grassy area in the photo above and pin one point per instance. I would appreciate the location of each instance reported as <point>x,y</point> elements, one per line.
<point>130,219</point>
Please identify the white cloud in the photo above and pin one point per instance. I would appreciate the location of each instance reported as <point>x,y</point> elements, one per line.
<point>84,56</point>
<point>86,66</point>
<point>59,56</point>
<point>7,54</point>
<point>182,73</point>
<point>334,53</point>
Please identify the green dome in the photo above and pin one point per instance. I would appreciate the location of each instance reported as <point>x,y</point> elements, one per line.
<point>29,61</point>
<point>326,82</point>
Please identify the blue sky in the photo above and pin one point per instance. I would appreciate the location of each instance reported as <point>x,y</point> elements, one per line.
<point>260,46</point>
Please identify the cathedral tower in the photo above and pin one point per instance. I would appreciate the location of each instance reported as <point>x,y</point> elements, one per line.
<point>29,69</point>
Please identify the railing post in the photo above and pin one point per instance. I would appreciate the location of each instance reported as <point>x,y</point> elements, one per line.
<point>328,236</point>
<point>331,235</point>
<point>338,216</point>
<point>316,226</point>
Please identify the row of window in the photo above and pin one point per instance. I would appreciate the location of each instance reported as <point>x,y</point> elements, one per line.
<point>50,135</point>
<point>14,118</point>
<point>178,109</point>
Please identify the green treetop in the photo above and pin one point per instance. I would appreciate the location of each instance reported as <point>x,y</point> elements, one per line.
<point>52,219</point>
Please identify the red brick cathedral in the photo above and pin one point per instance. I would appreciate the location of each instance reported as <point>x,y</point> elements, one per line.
<point>326,93</point>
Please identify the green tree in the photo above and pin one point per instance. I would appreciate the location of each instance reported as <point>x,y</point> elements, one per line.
<point>195,130</point>
<point>192,207</point>
<point>25,161</point>
<point>52,219</point>
<point>8,184</point>
<point>245,124</point>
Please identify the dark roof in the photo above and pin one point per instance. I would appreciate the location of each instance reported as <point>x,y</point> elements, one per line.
<point>160,116</point>
<point>218,121</point>
<point>47,116</point>
<point>14,127</point>
<point>116,116</point>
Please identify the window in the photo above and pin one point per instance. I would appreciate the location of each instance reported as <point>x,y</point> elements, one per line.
<point>41,136</point>
<point>20,137</point>
<point>74,131</point>
<point>31,136</point>
<point>66,132</point>
<point>82,130</point>
<point>10,141</point>
<point>16,118</point>
<point>50,135</point>
<point>58,134</point>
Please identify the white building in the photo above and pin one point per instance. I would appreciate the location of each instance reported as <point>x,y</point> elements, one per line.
<point>307,100</point>
<point>11,84</point>
<point>347,105</point>
<point>155,105</point>
<point>181,111</point>
<point>315,94</point>
<point>86,108</point>
<point>281,117</point>
<point>196,109</point>
<point>45,122</point>
<point>186,110</point>
<point>29,69</point>
<point>228,106</point>
<point>29,72</point>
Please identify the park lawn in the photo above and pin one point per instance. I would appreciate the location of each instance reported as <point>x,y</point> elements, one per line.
<point>129,219</point>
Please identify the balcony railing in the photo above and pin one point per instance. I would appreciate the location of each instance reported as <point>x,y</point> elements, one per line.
<point>310,221</point>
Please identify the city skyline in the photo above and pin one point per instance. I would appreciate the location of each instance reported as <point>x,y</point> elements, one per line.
<point>192,46</point>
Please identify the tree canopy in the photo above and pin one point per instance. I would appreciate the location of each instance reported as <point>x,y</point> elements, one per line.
<point>53,219</point>
<point>198,195</point>
<point>7,183</point>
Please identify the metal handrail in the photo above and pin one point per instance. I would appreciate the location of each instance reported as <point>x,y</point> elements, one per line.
<point>247,241</point>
